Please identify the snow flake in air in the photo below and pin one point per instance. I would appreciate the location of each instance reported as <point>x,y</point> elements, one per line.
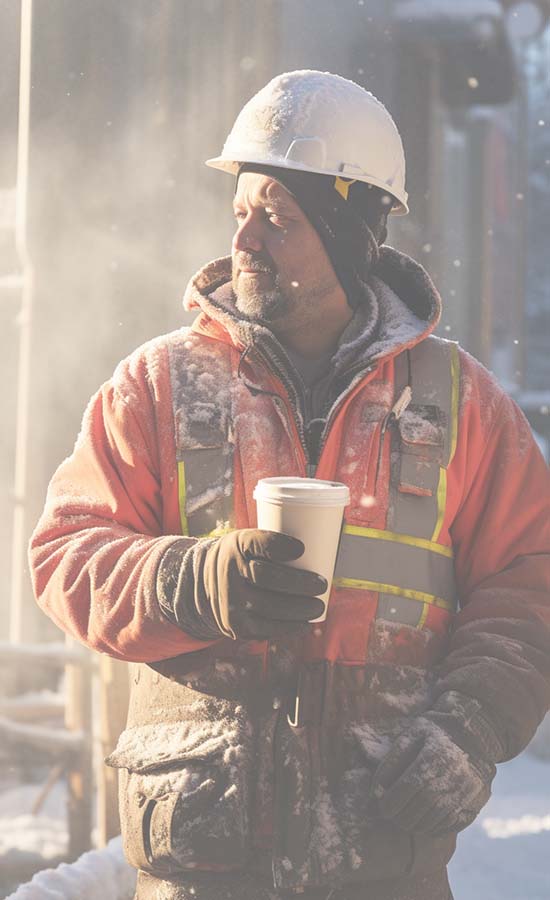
<point>247,63</point>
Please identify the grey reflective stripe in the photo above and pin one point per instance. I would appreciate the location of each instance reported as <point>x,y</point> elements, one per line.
<point>201,399</point>
<point>208,473</point>
<point>427,436</point>
<point>423,573</point>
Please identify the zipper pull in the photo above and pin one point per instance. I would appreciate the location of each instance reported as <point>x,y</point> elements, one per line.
<point>394,415</point>
<point>401,403</point>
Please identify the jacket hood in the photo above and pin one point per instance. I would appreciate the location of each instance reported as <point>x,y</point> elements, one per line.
<point>407,303</point>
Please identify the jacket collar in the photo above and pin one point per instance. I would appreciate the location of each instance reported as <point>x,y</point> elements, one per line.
<point>409,309</point>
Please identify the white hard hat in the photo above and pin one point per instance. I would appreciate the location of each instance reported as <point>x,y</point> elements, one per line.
<point>319,122</point>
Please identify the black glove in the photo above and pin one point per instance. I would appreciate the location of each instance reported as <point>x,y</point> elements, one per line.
<point>237,586</point>
<point>437,775</point>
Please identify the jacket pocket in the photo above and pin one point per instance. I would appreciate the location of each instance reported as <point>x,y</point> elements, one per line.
<point>184,795</point>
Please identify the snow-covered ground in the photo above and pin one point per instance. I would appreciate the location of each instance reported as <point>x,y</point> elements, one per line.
<point>97,875</point>
<point>505,855</point>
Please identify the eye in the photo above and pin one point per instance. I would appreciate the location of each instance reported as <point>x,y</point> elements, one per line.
<point>279,221</point>
<point>239,214</point>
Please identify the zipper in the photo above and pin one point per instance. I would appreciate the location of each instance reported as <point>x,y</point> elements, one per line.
<point>296,396</point>
<point>300,399</point>
<point>338,403</point>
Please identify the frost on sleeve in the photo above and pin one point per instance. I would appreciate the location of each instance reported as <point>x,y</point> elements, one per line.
<point>500,649</point>
<point>95,551</point>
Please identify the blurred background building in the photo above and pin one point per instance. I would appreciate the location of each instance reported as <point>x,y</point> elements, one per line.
<point>114,209</point>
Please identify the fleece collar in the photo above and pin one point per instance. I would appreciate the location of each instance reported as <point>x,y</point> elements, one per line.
<point>409,308</point>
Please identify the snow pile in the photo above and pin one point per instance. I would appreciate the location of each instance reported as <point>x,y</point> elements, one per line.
<point>97,875</point>
<point>505,828</point>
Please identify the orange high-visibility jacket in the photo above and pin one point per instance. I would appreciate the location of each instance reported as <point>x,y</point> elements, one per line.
<point>448,526</point>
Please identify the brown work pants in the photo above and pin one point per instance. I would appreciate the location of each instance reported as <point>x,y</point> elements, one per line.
<point>249,886</point>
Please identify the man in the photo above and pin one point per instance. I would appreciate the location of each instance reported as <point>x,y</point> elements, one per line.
<point>266,757</point>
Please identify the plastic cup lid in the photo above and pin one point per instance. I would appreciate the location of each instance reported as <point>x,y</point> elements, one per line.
<point>303,491</point>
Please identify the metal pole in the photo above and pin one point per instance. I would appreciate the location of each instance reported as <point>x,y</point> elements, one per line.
<point>23,375</point>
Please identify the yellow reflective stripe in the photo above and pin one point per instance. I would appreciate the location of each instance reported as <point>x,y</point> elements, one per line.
<point>424,616</point>
<point>441,503</point>
<point>379,534</point>
<point>455,392</point>
<point>220,529</point>
<point>393,589</point>
<point>181,497</point>
<point>442,485</point>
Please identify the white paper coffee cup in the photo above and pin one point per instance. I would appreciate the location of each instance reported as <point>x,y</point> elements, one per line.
<point>311,510</point>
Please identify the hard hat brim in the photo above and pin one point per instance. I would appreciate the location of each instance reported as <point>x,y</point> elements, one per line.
<point>231,166</point>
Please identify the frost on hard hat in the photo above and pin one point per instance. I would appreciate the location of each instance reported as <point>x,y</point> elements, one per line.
<point>319,122</point>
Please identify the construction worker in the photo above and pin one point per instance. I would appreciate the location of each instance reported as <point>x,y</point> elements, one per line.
<point>311,355</point>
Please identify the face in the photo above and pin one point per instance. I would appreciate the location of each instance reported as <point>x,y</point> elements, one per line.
<point>280,269</point>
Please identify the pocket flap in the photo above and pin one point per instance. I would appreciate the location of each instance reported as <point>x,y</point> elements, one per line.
<point>148,748</point>
<point>421,427</point>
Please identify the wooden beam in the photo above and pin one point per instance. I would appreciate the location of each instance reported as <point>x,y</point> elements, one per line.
<point>52,654</point>
<point>49,741</point>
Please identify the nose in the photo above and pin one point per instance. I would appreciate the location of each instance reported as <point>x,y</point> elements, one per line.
<point>248,236</point>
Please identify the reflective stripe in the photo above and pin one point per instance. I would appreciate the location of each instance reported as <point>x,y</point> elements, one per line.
<point>393,589</point>
<point>424,615</point>
<point>441,502</point>
<point>399,539</point>
<point>202,421</point>
<point>455,374</point>
<point>181,497</point>
<point>418,489</point>
<point>453,430</point>
<point>377,558</point>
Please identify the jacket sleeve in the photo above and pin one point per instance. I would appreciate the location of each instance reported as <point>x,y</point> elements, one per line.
<point>95,552</point>
<point>499,653</point>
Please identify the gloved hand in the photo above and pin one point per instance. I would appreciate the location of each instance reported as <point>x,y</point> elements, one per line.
<point>237,586</point>
<point>437,775</point>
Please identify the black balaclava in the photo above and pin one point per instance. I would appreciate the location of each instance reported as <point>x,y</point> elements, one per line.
<point>349,216</point>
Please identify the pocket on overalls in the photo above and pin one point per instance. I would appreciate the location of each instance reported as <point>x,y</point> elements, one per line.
<point>184,795</point>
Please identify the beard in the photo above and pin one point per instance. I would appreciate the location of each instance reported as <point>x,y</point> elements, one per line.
<point>262,298</point>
